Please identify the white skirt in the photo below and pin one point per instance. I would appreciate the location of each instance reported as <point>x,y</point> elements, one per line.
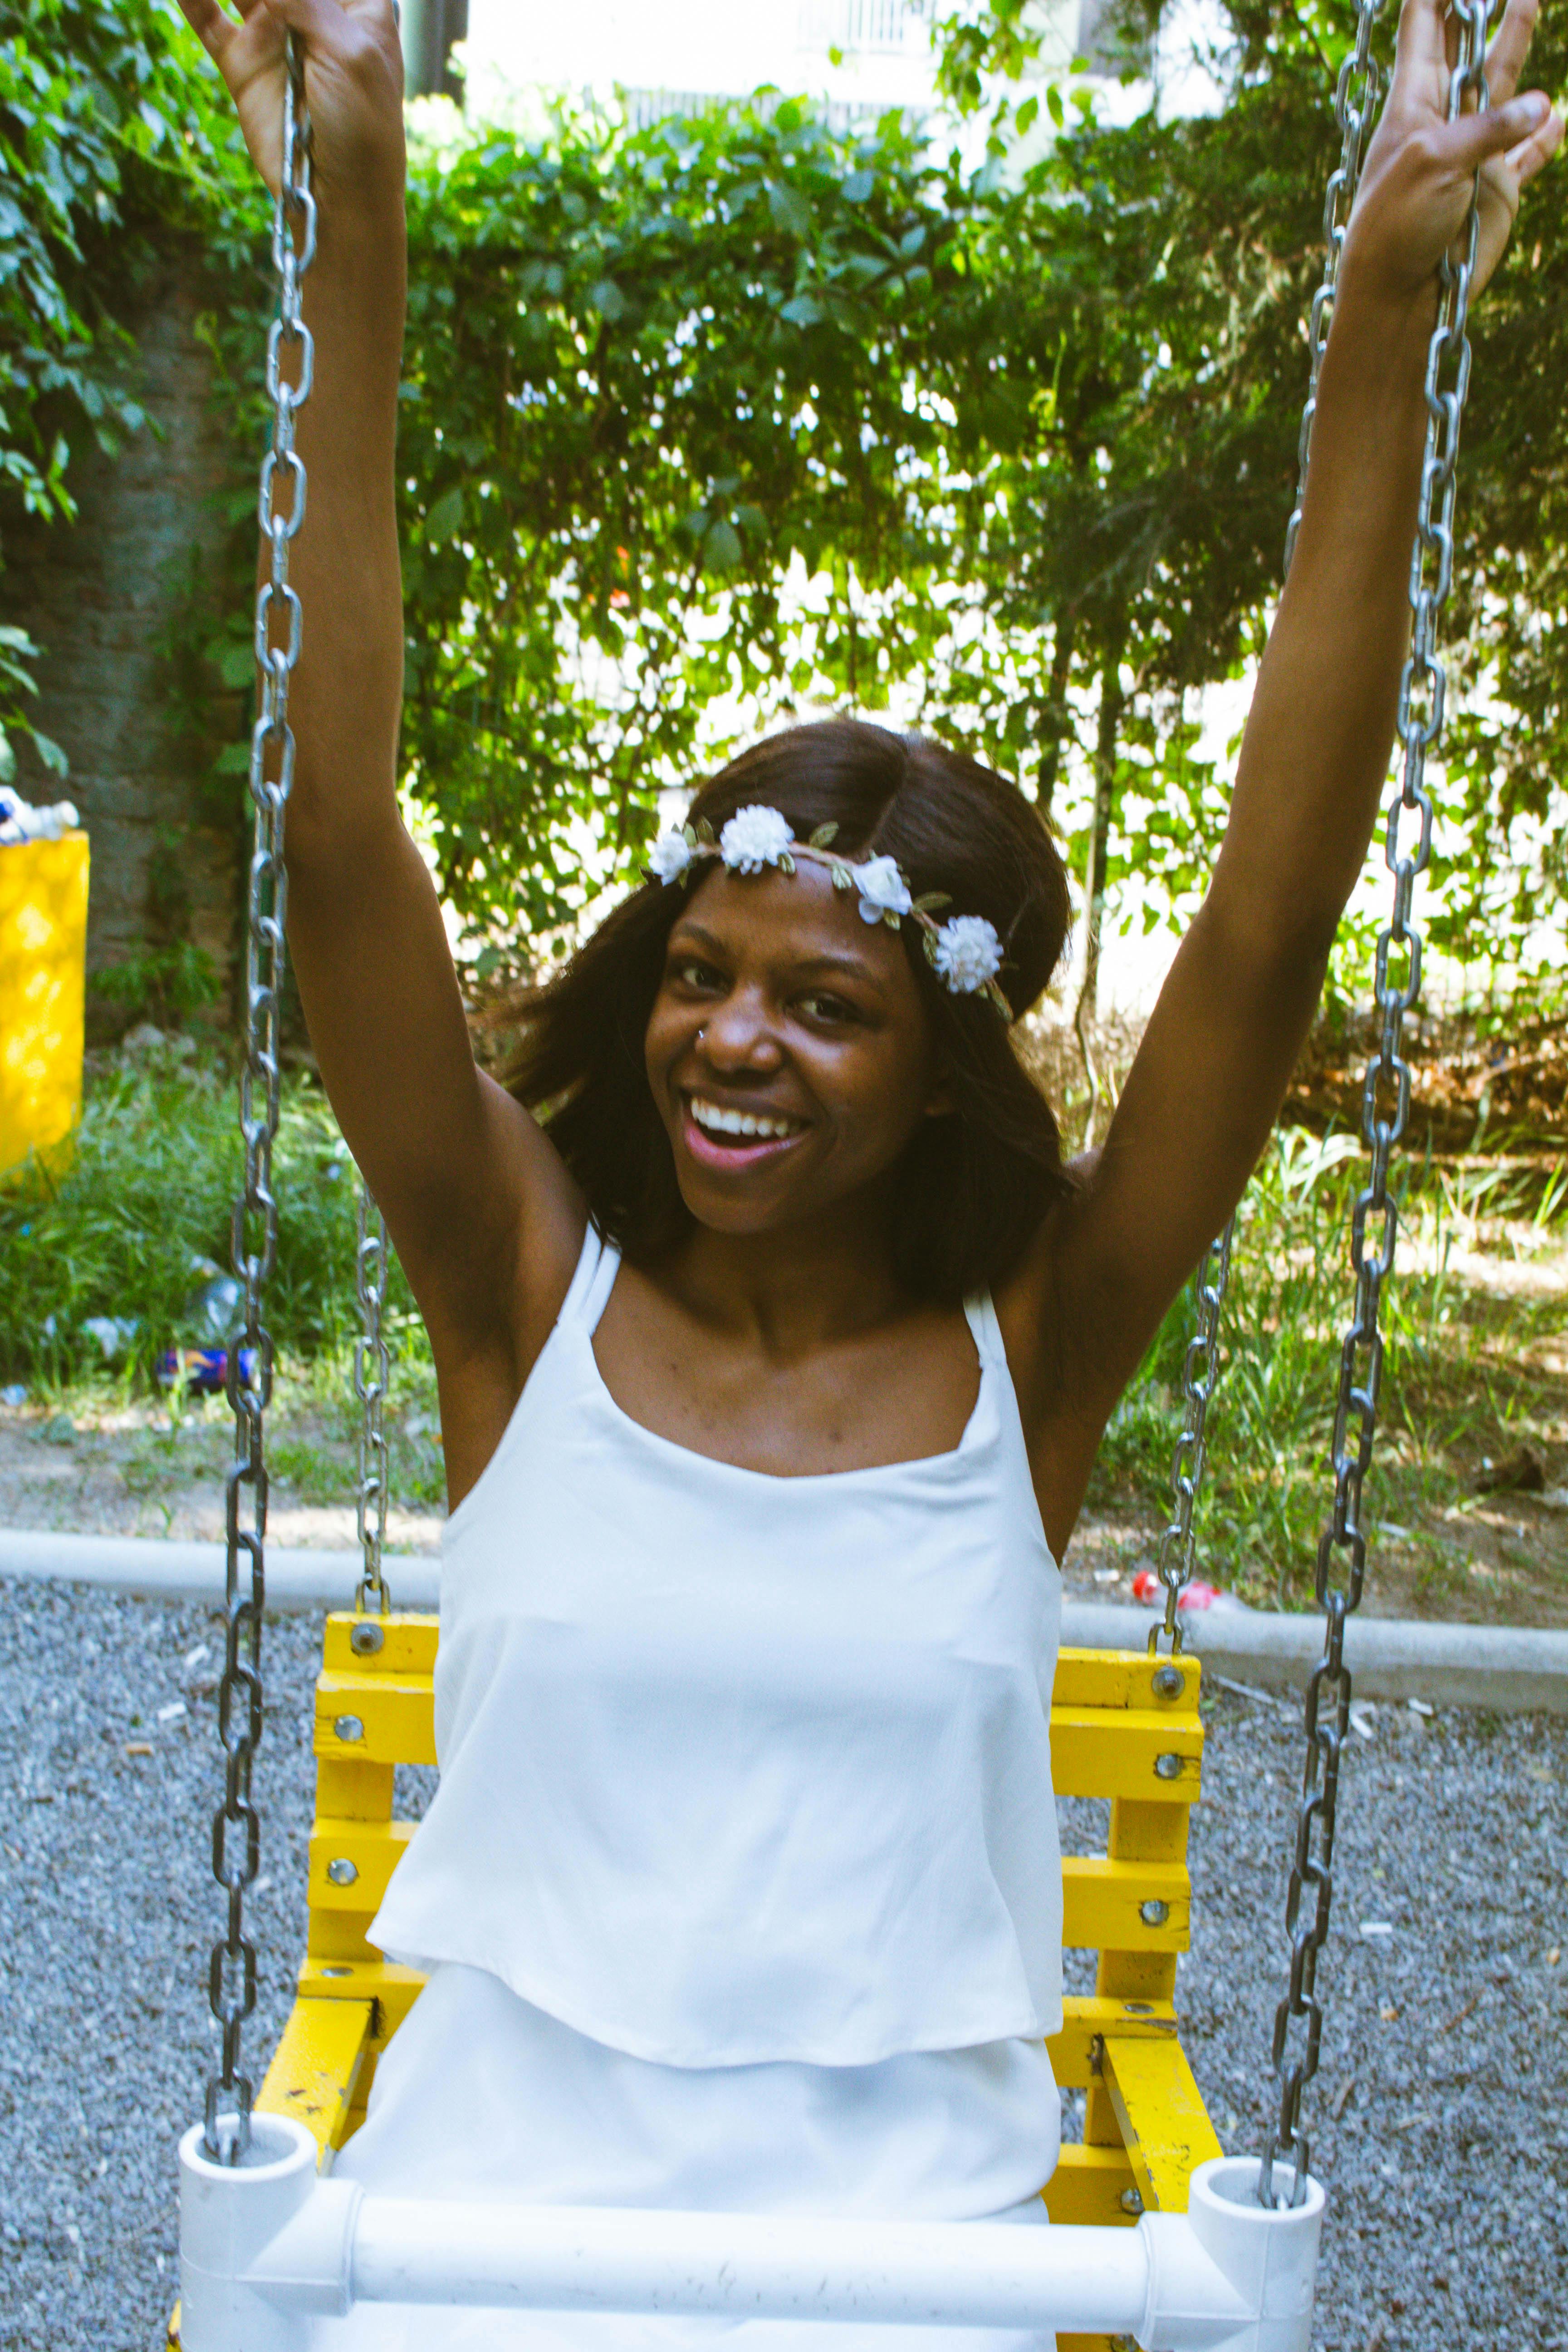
<point>481,2096</point>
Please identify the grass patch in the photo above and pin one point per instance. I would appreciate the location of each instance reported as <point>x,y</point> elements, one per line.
<point>140,1217</point>
<point>1469,1370</point>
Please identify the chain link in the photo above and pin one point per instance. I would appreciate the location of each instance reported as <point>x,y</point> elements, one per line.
<point>1200,1370</point>
<point>372,1374</point>
<point>236,1829</point>
<point>1385,1108</point>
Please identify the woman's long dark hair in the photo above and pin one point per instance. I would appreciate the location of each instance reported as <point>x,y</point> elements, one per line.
<point>972,1188</point>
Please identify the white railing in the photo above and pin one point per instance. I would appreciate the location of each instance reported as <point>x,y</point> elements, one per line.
<point>268,2246</point>
<point>877,25</point>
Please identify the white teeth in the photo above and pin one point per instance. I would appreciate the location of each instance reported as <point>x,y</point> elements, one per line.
<point>715,1120</point>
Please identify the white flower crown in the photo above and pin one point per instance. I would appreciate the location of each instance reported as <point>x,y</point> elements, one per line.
<point>965,951</point>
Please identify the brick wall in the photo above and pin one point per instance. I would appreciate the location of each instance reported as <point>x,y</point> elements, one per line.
<point>110,600</point>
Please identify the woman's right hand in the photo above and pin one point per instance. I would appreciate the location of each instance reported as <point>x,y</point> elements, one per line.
<point>353,89</point>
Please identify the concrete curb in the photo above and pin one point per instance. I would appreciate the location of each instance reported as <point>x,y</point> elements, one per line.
<point>1512,1670</point>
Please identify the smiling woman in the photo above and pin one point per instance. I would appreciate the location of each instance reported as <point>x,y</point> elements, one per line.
<point>774,1345</point>
<point>723,996</point>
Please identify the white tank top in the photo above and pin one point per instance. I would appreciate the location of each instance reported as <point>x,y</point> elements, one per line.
<point>738,1767</point>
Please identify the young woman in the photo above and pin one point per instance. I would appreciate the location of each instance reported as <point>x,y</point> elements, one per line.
<point>774,1352</point>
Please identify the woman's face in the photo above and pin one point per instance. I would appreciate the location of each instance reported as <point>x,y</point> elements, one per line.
<point>788,1050</point>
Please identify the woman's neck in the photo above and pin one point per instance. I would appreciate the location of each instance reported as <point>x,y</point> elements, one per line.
<point>797,1289</point>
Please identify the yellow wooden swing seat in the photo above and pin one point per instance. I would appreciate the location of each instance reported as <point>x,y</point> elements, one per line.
<point>1124,1726</point>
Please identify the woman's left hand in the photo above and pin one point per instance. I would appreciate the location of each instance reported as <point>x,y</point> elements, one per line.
<point>1414,194</point>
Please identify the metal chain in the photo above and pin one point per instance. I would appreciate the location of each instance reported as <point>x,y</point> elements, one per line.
<point>1355,109</point>
<point>372,1374</point>
<point>236,1829</point>
<point>1200,1369</point>
<point>1385,1108</point>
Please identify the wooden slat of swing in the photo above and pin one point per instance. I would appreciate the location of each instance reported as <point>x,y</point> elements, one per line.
<point>1145,2128</point>
<point>1103,1901</point>
<point>386,1719</point>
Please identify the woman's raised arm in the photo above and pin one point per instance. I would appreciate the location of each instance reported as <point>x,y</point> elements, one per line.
<point>1217,1054</point>
<point>482,1211</point>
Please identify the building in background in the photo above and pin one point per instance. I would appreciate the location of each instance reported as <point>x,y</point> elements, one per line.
<point>859,57</point>
<point>431,31</point>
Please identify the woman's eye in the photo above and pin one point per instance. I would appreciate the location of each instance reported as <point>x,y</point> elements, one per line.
<point>690,971</point>
<point>820,1006</point>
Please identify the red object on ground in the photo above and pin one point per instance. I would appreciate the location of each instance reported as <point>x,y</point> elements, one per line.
<point>1146,1586</point>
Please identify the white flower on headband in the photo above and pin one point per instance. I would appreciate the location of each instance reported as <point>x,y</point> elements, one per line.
<point>670,855</point>
<point>883,891</point>
<point>755,837</point>
<point>967,953</point>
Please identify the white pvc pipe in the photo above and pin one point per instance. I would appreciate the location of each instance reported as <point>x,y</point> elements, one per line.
<point>953,2274</point>
<point>266,2246</point>
<point>149,1567</point>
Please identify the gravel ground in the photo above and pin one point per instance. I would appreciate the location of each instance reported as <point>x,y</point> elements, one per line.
<point>1439,2113</point>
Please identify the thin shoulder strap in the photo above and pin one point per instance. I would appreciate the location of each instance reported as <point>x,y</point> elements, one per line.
<point>981,1316</point>
<point>592,1284</point>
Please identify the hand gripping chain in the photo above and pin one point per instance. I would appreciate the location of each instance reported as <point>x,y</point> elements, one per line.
<point>236,1829</point>
<point>1385,1096</point>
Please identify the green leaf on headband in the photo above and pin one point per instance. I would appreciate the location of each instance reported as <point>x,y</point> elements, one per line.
<point>821,838</point>
<point>892,918</point>
<point>999,1001</point>
<point>930,901</point>
<point>842,878</point>
<point>706,834</point>
<point>688,836</point>
<point>930,939</point>
<point>786,863</point>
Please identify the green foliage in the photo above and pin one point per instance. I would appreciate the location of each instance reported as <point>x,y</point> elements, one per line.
<point>649,375</point>
<point>1460,1376</point>
<point>708,423</point>
<point>164,984</point>
<point>106,135</point>
<point>145,1202</point>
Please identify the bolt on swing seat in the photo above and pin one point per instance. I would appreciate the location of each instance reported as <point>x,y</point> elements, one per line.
<point>1124,1728</point>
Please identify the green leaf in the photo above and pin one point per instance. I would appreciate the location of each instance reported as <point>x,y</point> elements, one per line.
<point>445,517</point>
<point>608,300</point>
<point>721,549</point>
<point>802,311</point>
<point>931,902</point>
<point>825,835</point>
<point>790,211</point>
<point>858,186</point>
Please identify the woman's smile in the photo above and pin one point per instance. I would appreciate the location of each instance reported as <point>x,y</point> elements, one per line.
<point>723,1136</point>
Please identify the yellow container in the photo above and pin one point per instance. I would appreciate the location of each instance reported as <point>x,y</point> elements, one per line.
<point>43,964</point>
